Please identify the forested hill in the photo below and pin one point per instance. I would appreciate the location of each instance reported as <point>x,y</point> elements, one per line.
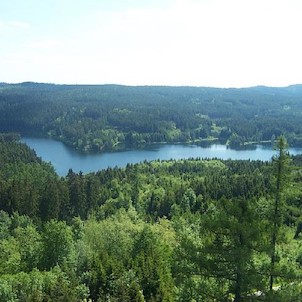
<point>104,117</point>
<point>160,231</point>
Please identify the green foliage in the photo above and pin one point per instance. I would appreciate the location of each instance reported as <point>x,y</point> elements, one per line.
<point>58,245</point>
<point>5,224</point>
<point>107,117</point>
<point>30,243</point>
<point>39,286</point>
<point>281,172</point>
<point>177,230</point>
<point>217,252</point>
<point>153,266</point>
<point>10,256</point>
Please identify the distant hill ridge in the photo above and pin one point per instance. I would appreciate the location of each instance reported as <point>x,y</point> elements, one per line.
<point>106,117</point>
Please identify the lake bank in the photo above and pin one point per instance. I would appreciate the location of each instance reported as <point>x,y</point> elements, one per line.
<point>64,158</point>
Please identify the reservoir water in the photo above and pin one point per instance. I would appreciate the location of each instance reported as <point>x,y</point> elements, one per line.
<point>63,158</point>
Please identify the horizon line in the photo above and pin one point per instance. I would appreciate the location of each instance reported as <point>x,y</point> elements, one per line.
<point>147,85</point>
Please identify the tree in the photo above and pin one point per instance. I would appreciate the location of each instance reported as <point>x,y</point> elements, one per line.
<point>5,224</point>
<point>50,202</point>
<point>281,166</point>
<point>77,194</point>
<point>150,260</point>
<point>30,246</point>
<point>10,257</point>
<point>188,201</point>
<point>217,251</point>
<point>58,245</point>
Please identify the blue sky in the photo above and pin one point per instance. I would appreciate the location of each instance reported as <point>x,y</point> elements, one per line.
<point>221,43</point>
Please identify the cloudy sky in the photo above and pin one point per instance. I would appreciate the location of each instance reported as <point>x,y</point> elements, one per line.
<point>221,43</point>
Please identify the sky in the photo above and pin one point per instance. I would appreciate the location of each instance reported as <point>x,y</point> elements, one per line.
<point>217,43</point>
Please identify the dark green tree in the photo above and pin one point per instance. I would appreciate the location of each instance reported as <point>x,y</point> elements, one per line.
<point>77,194</point>
<point>216,253</point>
<point>151,263</point>
<point>50,202</point>
<point>281,172</point>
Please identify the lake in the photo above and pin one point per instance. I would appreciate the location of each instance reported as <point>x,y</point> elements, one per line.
<point>63,158</point>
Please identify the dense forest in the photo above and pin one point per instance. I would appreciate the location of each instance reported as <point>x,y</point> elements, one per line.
<point>178,230</point>
<point>107,117</point>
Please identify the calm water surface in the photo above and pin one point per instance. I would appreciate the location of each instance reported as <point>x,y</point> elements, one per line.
<point>63,158</point>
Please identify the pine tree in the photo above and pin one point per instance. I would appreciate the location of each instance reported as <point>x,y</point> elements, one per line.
<point>220,253</point>
<point>281,167</point>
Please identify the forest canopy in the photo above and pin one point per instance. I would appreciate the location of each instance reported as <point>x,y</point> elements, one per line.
<point>177,230</point>
<point>107,117</point>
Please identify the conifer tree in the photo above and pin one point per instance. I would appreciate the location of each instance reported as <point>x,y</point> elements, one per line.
<point>281,166</point>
